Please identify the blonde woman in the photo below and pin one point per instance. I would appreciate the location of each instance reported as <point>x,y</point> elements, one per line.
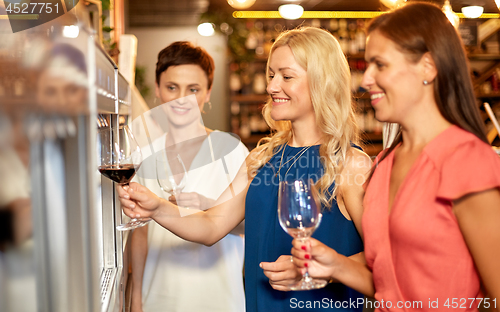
<point>311,116</point>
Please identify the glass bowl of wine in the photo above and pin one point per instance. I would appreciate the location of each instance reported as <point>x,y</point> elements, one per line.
<point>120,159</point>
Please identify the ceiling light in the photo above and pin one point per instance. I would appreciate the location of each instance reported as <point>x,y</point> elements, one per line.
<point>330,14</point>
<point>291,11</point>
<point>452,17</point>
<point>71,31</point>
<point>497,2</point>
<point>241,4</point>
<point>206,29</point>
<point>473,11</point>
<point>392,4</point>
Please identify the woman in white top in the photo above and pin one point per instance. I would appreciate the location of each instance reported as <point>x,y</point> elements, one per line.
<point>169,273</point>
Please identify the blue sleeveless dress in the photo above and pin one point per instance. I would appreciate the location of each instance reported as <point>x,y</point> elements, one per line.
<point>265,240</point>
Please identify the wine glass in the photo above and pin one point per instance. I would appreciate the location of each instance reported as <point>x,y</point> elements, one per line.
<point>120,158</point>
<point>299,215</point>
<point>171,173</point>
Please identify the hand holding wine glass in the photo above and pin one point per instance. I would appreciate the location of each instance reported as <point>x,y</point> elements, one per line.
<point>299,215</point>
<point>322,261</point>
<point>120,158</point>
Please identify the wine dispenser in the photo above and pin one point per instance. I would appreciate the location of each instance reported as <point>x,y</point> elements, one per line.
<point>63,87</point>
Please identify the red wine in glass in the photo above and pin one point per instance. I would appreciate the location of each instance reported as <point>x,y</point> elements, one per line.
<point>121,174</point>
<point>120,158</point>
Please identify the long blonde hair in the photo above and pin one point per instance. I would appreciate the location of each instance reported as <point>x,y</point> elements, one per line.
<point>329,77</point>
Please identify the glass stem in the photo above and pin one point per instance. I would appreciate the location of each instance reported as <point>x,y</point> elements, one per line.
<point>133,219</point>
<point>306,276</point>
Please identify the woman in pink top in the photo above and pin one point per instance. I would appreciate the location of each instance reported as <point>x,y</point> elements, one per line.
<point>431,221</point>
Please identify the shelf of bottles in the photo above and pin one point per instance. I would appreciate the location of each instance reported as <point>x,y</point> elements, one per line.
<point>485,66</point>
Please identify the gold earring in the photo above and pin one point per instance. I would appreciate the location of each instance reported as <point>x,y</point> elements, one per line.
<point>209,105</point>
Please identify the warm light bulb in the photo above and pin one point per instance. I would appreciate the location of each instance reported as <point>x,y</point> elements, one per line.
<point>241,4</point>
<point>206,29</point>
<point>497,2</point>
<point>392,4</point>
<point>71,31</point>
<point>452,17</point>
<point>473,11</point>
<point>291,11</point>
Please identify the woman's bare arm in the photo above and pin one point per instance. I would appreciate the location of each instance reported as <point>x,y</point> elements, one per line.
<point>478,216</point>
<point>325,263</point>
<point>205,227</point>
<point>139,251</point>
<point>351,189</point>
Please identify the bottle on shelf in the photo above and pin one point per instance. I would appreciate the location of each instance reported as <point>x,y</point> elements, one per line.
<point>360,36</point>
<point>245,130</point>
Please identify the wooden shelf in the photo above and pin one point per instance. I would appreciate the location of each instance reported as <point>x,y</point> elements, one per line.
<point>362,95</point>
<point>372,149</point>
<point>253,139</point>
<point>484,57</point>
<point>488,95</point>
<point>263,97</point>
<point>249,98</point>
<point>371,136</point>
<point>358,56</point>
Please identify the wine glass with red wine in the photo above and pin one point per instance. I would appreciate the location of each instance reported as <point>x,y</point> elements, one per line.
<point>120,158</point>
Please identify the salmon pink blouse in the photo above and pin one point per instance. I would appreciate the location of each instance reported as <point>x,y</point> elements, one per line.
<point>417,253</point>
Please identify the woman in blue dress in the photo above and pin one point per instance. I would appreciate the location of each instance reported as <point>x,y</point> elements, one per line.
<point>310,113</point>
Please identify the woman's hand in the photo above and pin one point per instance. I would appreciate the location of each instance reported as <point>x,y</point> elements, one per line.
<point>319,259</point>
<point>192,201</point>
<point>138,201</point>
<point>281,273</point>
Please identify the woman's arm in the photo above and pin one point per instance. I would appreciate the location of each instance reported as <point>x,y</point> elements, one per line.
<point>325,263</point>
<point>139,251</point>
<point>205,227</point>
<point>478,216</point>
<point>192,200</point>
<point>351,191</point>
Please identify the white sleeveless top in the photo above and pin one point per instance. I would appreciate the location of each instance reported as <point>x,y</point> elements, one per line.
<point>183,276</point>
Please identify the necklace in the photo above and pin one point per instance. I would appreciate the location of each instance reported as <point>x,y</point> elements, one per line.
<point>296,157</point>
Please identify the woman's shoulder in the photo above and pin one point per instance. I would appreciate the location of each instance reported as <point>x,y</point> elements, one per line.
<point>464,163</point>
<point>457,144</point>
<point>357,159</point>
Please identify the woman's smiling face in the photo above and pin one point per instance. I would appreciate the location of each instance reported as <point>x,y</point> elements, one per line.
<point>393,80</point>
<point>185,89</point>
<point>288,87</point>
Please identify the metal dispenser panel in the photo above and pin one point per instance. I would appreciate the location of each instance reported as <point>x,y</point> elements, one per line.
<point>64,89</point>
